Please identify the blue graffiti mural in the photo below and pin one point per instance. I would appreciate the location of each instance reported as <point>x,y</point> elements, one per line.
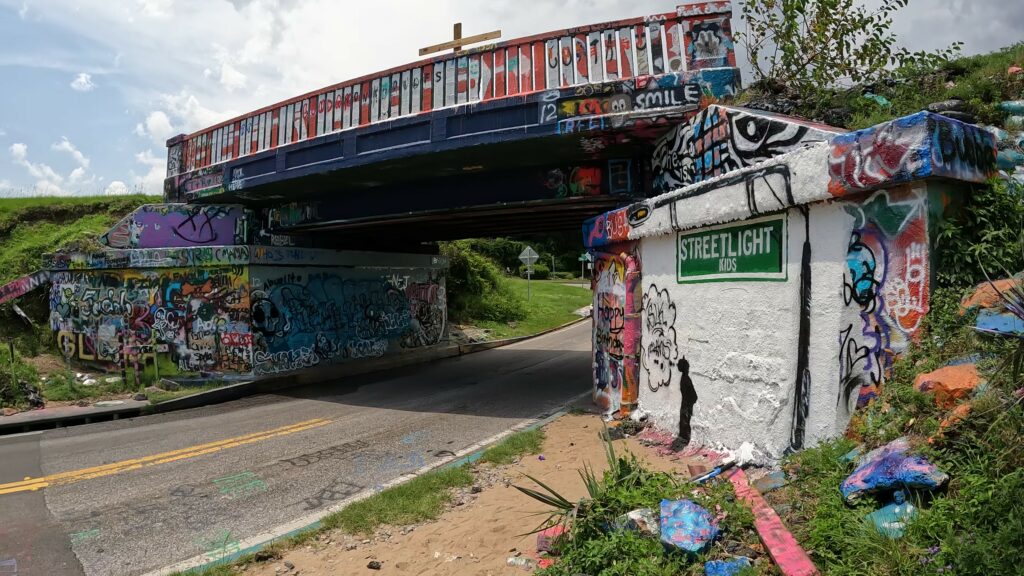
<point>304,319</point>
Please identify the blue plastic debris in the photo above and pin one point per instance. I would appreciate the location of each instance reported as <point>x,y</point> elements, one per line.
<point>880,100</point>
<point>853,454</point>
<point>888,468</point>
<point>726,567</point>
<point>687,526</point>
<point>891,520</point>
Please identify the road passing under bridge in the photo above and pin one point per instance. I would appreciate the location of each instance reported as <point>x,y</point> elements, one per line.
<point>132,496</point>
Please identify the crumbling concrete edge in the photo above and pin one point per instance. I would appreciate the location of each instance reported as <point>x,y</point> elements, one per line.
<point>467,455</point>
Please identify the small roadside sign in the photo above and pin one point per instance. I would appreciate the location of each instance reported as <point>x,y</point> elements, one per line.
<point>528,256</point>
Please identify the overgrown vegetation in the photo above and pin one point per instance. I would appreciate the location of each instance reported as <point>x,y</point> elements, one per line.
<point>811,45</point>
<point>477,288</point>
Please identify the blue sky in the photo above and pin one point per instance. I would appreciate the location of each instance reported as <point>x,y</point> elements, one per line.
<point>92,89</point>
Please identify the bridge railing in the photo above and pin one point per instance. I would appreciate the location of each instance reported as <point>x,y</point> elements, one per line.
<point>695,36</point>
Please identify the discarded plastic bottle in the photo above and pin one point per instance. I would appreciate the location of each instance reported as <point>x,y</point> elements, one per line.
<point>520,562</point>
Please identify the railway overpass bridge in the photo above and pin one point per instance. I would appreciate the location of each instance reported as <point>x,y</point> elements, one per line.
<point>531,134</point>
<point>297,236</point>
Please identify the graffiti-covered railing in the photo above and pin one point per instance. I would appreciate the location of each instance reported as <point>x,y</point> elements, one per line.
<point>695,36</point>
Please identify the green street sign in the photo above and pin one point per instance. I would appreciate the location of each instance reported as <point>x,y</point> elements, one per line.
<point>750,250</point>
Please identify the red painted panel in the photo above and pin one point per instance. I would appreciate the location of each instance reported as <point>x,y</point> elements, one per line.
<point>643,67</point>
<point>625,53</point>
<point>499,73</point>
<point>364,104</point>
<point>487,75</point>
<point>539,66</point>
<point>525,68</point>
<point>512,71</point>
<point>427,102</point>
<point>580,47</point>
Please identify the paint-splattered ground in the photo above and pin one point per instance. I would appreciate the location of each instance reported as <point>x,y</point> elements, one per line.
<point>481,531</point>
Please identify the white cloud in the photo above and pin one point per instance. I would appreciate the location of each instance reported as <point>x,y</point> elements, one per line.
<point>41,172</point>
<point>23,11</point>
<point>83,82</point>
<point>116,188</point>
<point>152,181</point>
<point>65,145</point>
<point>3,132</point>
<point>156,8</point>
<point>156,126</point>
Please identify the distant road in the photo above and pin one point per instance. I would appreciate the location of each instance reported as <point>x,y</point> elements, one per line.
<point>130,496</point>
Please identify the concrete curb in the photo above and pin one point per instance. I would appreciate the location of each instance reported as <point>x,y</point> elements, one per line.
<point>313,521</point>
<point>263,385</point>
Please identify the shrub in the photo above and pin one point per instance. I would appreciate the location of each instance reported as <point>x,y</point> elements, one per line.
<point>15,379</point>
<point>477,289</point>
<point>540,272</point>
<point>983,234</point>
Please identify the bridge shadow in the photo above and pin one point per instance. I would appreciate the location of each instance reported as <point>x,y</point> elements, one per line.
<point>519,381</point>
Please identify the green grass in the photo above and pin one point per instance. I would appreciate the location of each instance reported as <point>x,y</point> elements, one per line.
<point>518,444</point>
<point>975,525</point>
<point>551,304</point>
<point>422,498</point>
<point>158,397</point>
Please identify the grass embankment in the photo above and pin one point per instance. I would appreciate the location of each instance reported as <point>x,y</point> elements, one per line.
<point>551,304</point>
<point>31,227</point>
<point>421,499</point>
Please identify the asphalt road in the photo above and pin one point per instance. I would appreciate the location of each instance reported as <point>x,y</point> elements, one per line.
<point>131,496</point>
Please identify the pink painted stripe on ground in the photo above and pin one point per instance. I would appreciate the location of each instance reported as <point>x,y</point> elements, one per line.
<point>788,555</point>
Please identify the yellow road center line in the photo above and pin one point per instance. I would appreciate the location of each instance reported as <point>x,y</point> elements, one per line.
<point>155,459</point>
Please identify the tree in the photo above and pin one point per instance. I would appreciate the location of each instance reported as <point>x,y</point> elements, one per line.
<point>813,45</point>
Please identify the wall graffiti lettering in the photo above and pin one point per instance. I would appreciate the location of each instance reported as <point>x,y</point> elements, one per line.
<point>616,328</point>
<point>307,317</point>
<point>660,351</point>
<point>885,289</point>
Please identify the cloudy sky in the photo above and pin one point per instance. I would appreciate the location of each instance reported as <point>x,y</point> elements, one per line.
<point>93,88</point>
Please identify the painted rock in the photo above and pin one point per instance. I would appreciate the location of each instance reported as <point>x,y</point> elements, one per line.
<point>1013,106</point>
<point>726,567</point>
<point>891,520</point>
<point>1012,70</point>
<point>1000,134</point>
<point>1009,159</point>
<point>955,416</point>
<point>641,520</point>
<point>949,384</point>
<point>965,117</point>
<point>888,468</point>
<point>954,104</point>
<point>770,481</point>
<point>687,526</point>
<point>986,294</point>
<point>546,538</point>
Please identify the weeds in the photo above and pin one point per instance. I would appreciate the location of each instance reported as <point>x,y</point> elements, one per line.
<point>422,498</point>
<point>518,444</point>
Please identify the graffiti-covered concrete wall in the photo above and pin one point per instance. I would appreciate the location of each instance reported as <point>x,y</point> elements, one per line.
<point>775,296</point>
<point>305,316</point>
<point>236,310</point>
<point>616,342</point>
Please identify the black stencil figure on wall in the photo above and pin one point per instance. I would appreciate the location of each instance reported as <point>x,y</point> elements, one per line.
<point>687,401</point>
